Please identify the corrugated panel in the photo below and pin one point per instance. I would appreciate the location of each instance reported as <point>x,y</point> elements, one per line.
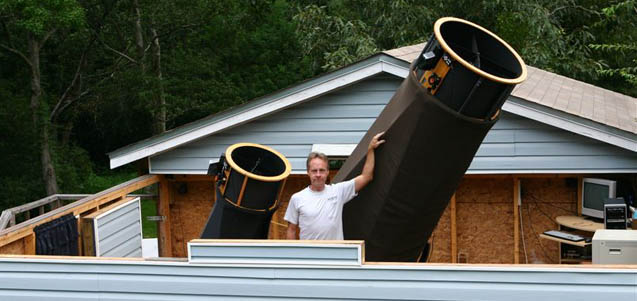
<point>58,279</point>
<point>287,252</point>
<point>118,231</point>
<point>514,145</point>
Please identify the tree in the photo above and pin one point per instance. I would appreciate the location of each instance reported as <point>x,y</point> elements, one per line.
<point>330,40</point>
<point>28,25</point>
<point>619,50</point>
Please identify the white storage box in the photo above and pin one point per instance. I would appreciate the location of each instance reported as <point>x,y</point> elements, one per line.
<point>615,247</point>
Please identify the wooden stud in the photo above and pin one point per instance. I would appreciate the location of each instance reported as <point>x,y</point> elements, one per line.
<point>164,237</point>
<point>243,189</point>
<point>579,194</point>
<point>516,220</point>
<point>454,236</point>
<point>29,244</point>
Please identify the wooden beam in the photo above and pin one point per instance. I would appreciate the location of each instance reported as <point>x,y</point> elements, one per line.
<point>579,194</point>
<point>29,244</point>
<point>454,236</point>
<point>5,217</point>
<point>189,178</point>
<point>164,237</point>
<point>516,220</point>
<point>34,204</point>
<point>26,228</point>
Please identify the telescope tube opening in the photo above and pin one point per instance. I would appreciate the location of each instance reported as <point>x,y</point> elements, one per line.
<point>249,185</point>
<point>468,68</point>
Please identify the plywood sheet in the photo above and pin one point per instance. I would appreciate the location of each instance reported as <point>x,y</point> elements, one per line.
<point>440,242</point>
<point>15,247</point>
<point>294,184</point>
<point>485,220</point>
<point>542,201</point>
<point>189,210</point>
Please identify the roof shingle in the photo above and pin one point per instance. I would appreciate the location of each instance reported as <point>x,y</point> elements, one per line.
<point>562,93</point>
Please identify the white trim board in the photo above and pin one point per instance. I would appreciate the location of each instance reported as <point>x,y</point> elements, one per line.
<point>334,150</point>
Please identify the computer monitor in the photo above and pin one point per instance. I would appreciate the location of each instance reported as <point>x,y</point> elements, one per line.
<point>594,193</point>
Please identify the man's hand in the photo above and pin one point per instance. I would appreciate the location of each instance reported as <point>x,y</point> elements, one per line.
<point>376,141</point>
<point>368,169</point>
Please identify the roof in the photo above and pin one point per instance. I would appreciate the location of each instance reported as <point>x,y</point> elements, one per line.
<point>564,94</point>
<point>562,104</point>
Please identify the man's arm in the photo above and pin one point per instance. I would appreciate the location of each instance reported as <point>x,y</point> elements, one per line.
<point>368,169</point>
<point>291,233</point>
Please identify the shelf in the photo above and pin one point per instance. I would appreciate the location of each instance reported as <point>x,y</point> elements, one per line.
<point>564,241</point>
<point>573,260</point>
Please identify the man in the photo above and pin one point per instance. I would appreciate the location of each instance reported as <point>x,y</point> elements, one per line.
<point>318,209</point>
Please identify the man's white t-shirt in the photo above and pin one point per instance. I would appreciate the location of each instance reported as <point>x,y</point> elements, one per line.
<point>320,214</point>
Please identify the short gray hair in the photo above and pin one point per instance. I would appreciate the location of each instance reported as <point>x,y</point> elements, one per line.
<point>314,155</point>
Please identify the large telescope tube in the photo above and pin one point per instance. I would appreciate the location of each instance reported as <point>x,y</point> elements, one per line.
<point>250,179</point>
<point>434,125</point>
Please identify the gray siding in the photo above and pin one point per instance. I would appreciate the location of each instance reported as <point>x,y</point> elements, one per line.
<point>273,252</point>
<point>63,279</point>
<point>517,144</point>
<point>119,232</point>
<point>514,145</point>
<point>340,117</point>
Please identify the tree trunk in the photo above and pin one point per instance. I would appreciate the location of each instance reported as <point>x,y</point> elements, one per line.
<point>160,113</point>
<point>139,36</point>
<point>41,121</point>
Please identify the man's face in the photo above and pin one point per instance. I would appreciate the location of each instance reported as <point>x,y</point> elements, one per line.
<point>317,170</point>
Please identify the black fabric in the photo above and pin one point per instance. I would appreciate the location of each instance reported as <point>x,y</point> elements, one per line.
<point>57,237</point>
<point>233,185</point>
<point>259,194</point>
<point>230,222</point>
<point>429,147</point>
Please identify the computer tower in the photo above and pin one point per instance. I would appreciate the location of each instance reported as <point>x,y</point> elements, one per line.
<point>615,247</point>
<point>615,214</point>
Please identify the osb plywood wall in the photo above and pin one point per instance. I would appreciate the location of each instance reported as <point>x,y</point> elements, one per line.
<point>192,201</point>
<point>484,217</point>
<point>279,226</point>
<point>542,201</point>
<point>189,209</point>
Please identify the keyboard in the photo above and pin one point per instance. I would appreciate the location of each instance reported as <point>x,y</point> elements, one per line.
<point>564,235</point>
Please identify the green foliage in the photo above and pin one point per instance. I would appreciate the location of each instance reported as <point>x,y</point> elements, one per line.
<point>40,16</point>
<point>20,180</point>
<point>618,49</point>
<point>332,41</point>
<point>149,228</point>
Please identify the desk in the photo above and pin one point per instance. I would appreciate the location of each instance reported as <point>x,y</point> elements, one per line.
<point>578,223</point>
<point>574,223</point>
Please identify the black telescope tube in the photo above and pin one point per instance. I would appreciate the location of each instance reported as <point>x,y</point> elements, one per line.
<point>431,141</point>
